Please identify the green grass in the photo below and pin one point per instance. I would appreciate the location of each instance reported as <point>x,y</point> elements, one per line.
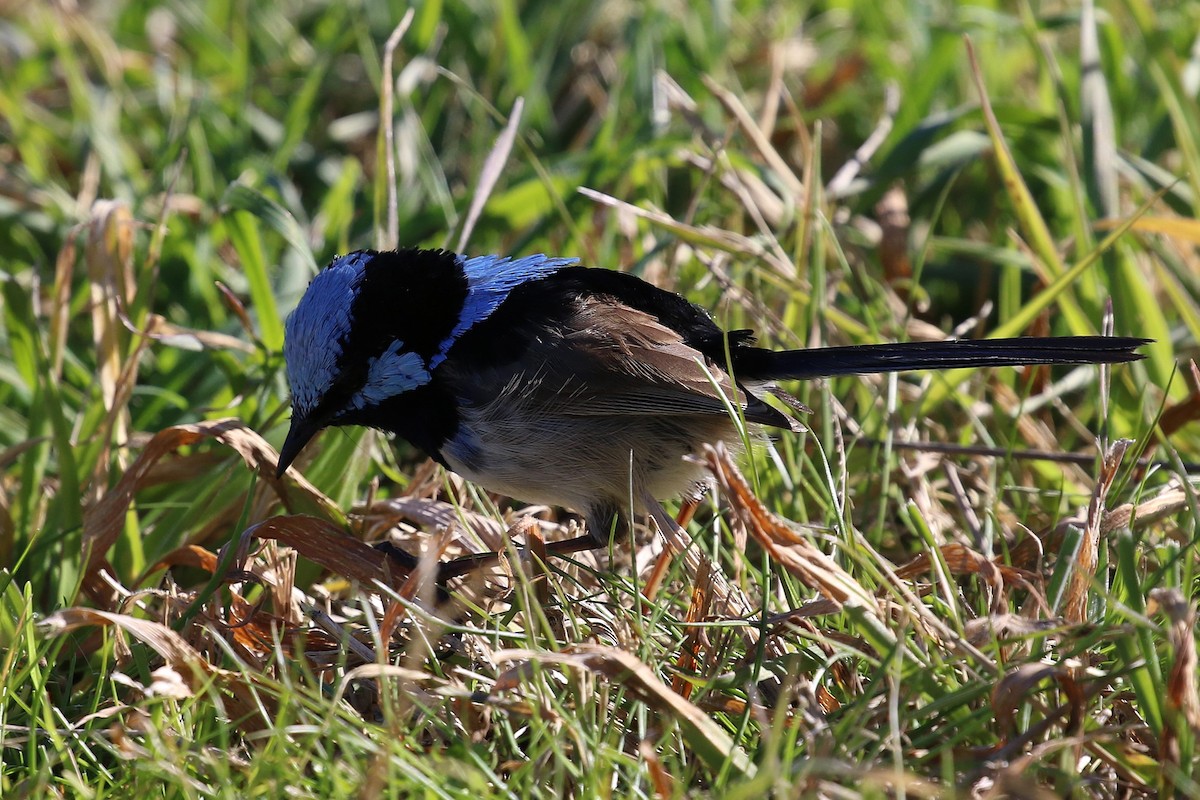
<point>172,174</point>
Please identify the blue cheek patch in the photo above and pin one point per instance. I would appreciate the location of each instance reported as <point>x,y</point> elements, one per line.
<point>390,374</point>
<point>489,280</point>
<point>312,341</point>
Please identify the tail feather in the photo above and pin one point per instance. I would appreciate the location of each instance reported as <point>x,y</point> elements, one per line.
<point>954,354</point>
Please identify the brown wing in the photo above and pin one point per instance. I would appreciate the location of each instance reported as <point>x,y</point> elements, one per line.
<point>617,360</point>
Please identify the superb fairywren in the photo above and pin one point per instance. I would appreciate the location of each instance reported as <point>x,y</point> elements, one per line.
<point>564,385</point>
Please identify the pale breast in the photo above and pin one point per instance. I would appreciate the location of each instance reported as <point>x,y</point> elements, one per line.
<point>543,453</point>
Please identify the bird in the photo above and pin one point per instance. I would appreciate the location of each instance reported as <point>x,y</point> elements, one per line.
<point>554,383</point>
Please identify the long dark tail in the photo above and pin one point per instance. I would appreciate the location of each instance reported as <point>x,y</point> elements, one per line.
<point>899,357</point>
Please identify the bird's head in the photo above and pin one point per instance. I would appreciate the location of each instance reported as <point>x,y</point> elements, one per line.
<point>373,327</point>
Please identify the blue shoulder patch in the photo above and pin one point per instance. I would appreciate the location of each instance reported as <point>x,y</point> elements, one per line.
<point>314,331</point>
<point>489,280</point>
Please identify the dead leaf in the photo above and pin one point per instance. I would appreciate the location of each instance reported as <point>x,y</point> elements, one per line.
<point>1010,693</point>
<point>694,637</point>
<point>664,784</point>
<point>243,704</point>
<point>1183,229</point>
<point>104,520</point>
<point>1183,698</point>
<point>1080,582</point>
<point>892,214</point>
<point>783,541</point>
<point>962,560</point>
<point>432,514</point>
<point>712,744</point>
<point>330,546</point>
<point>1001,627</point>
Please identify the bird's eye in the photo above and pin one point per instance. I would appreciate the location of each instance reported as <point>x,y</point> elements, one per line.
<point>335,401</point>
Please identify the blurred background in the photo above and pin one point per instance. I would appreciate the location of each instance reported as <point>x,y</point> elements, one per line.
<point>173,173</point>
<point>821,172</point>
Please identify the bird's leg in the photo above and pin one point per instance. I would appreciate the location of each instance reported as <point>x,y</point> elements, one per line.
<point>469,563</point>
<point>617,524</point>
<point>464,564</point>
<point>576,544</point>
<point>603,522</point>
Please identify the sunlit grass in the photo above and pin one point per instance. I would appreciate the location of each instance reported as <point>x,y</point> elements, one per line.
<point>171,175</point>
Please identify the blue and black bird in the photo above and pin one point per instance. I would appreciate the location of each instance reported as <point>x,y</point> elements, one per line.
<point>559,384</point>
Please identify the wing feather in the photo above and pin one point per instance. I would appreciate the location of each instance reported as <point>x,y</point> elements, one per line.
<point>645,367</point>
